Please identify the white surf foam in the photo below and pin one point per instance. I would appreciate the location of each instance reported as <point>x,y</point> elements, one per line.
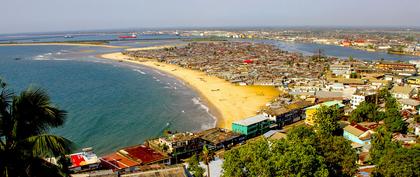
<point>197,101</point>
<point>139,71</point>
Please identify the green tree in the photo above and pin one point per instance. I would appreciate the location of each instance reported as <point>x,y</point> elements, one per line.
<point>207,157</point>
<point>302,153</point>
<point>24,140</point>
<point>366,112</point>
<point>326,120</point>
<point>391,158</point>
<point>381,143</point>
<point>194,166</point>
<point>340,157</point>
<point>233,165</point>
<point>399,162</point>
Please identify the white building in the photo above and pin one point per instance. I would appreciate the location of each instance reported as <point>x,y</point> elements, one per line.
<point>340,69</point>
<point>402,92</point>
<point>358,98</point>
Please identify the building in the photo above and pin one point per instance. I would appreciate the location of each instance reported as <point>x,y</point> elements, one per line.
<point>131,158</point>
<point>84,161</point>
<point>409,104</point>
<point>357,134</point>
<point>340,69</point>
<point>288,114</point>
<point>397,67</point>
<point>181,145</point>
<point>252,126</point>
<point>414,80</point>
<point>311,111</point>
<point>218,138</point>
<point>402,92</point>
<point>358,98</point>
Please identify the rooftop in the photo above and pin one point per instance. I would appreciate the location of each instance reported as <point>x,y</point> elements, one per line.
<point>409,102</point>
<point>355,130</point>
<point>251,120</point>
<point>402,89</point>
<point>142,154</point>
<point>218,135</point>
<point>117,161</point>
<point>327,104</point>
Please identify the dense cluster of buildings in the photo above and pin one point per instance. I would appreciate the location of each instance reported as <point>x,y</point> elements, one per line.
<point>392,41</point>
<point>309,83</point>
<point>239,62</point>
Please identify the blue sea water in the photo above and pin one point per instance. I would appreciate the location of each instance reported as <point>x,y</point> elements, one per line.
<point>110,104</point>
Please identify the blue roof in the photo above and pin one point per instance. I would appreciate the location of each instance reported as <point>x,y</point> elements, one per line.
<point>251,120</point>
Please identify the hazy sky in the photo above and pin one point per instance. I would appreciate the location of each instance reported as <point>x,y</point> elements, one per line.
<point>63,15</point>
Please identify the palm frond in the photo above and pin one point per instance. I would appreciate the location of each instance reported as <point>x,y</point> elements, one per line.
<point>46,145</point>
<point>35,114</point>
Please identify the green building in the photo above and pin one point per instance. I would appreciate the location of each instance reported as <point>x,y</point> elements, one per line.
<point>252,126</point>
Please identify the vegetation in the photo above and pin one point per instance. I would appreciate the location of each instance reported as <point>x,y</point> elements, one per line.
<point>302,153</point>
<point>194,166</point>
<point>366,112</point>
<point>24,140</point>
<point>207,157</point>
<point>391,158</point>
<point>326,120</point>
<point>393,119</point>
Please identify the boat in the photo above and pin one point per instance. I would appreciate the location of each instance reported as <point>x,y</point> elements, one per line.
<point>68,36</point>
<point>132,36</point>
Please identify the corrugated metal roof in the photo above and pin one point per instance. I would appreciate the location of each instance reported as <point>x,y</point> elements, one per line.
<point>251,120</point>
<point>328,104</point>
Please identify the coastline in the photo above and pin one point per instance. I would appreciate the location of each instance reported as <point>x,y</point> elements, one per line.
<point>226,101</point>
<point>62,43</point>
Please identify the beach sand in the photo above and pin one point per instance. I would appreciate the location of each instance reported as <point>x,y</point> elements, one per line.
<point>63,43</point>
<point>231,102</point>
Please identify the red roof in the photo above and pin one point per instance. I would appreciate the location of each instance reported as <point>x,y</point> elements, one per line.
<point>248,61</point>
<point>362,128</point>
<point>144,154</point>
<point>76,159</point>
<point>116,161</point>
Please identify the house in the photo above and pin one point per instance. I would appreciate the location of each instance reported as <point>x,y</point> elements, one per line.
<point>360,97</point>
<point>181,145</point>
<point>252,126</point>
<point>340,69</point>
<point>311,111</point>
<point>357,134</point>
<point>275,135</point>
<point>130,158</point>
<point>402,92</point>
<point>218,138</point>
<point>84,161</point>
<point>118,162</point>
<point>409,104</point>
<point>287,114</point>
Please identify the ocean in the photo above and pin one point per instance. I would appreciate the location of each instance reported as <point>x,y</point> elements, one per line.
<point>110,104</point>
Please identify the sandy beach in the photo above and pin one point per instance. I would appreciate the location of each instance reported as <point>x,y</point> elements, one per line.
<point>63,43</point>
<point>229,102</point>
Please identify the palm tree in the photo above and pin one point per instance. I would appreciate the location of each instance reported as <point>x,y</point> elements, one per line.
<point>207,157</point>
<point>25,144</point>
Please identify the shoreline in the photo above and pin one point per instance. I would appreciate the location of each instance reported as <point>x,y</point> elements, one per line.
<point>61,43</point>
<point>227,102</point>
